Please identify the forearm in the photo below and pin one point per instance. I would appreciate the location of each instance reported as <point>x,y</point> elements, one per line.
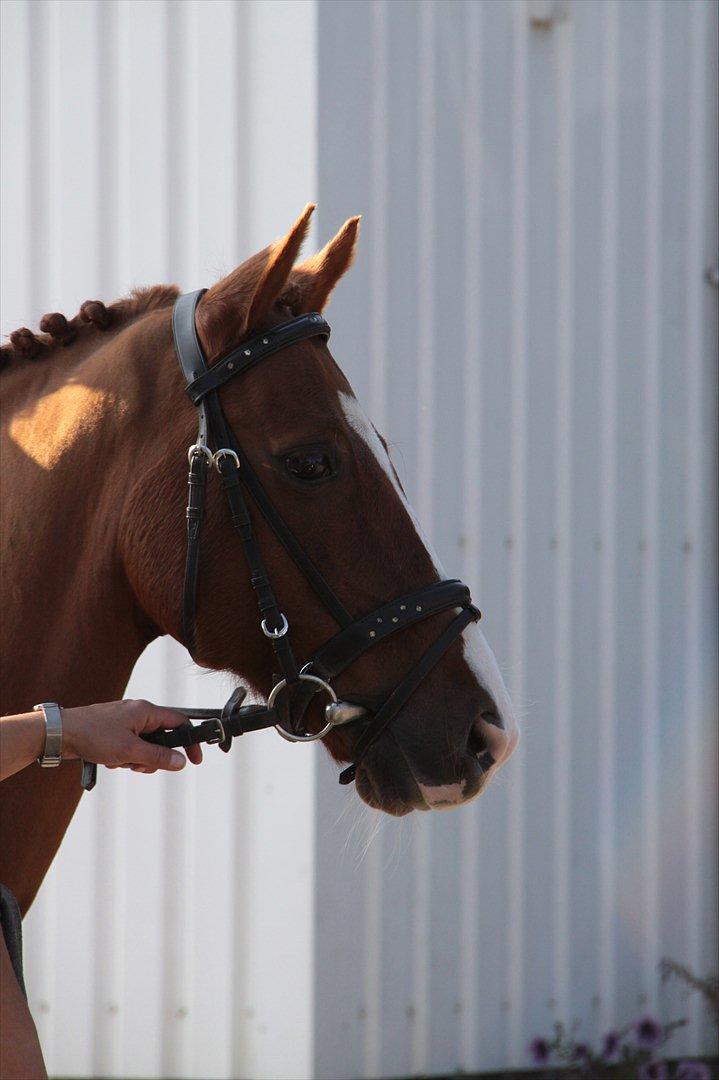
<point>22,740</point>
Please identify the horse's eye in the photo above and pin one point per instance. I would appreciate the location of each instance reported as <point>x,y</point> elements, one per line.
<point>309,465</point>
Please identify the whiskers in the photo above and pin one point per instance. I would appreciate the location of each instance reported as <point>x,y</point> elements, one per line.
<point>370,835</point>
<point>361,825</point>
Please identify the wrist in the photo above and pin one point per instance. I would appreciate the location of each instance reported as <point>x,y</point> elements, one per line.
<point>33,724</point>
<point>70,727</point>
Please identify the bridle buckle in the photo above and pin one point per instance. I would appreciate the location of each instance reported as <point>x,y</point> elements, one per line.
<point>201,450</point>
<point>274,634</point>
<point>224,452</point>
<point>221,735</point>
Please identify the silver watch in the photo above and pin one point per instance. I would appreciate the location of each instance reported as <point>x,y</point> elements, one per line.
<point>52,754</point>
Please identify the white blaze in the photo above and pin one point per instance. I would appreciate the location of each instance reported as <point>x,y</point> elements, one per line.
<point>477,653</point>
<point>358,421</point>
<point>482,663</point>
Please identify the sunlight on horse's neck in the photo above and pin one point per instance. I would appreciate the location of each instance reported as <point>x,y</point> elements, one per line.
<point>54,426</point>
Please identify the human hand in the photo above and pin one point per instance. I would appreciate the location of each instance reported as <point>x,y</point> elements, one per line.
<point>109,734</point>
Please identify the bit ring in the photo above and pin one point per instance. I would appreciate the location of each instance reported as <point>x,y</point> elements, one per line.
<point>289,735</point>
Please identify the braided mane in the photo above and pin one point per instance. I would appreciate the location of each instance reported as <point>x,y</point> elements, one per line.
<point>57,332</point>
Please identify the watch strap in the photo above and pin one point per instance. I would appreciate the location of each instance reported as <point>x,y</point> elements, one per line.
<point>52,753</point>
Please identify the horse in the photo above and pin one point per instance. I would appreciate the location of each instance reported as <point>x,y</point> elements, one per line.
<point>94,438</point>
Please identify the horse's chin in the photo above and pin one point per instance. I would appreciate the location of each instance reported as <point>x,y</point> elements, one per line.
<point>399,791</point>
<point>387,803</point>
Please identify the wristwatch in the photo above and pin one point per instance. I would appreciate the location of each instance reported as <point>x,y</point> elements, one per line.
<point>52,754</point>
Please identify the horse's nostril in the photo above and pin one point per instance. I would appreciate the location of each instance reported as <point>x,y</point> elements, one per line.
<point>488,740</point>
<point>477,745</point>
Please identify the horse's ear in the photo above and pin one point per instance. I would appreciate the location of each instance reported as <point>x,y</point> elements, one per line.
<point>236,303</point>
<point>313,280</point>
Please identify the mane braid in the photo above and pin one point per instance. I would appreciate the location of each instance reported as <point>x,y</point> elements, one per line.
<point>57,332</point>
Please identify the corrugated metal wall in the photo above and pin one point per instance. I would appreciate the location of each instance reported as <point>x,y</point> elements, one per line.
<point>530,324</point>
<point>528,321</point>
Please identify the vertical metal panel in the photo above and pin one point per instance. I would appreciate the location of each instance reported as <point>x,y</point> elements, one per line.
<point>563,536</point>
<point>606,534</point>
<point>649,530</point>
<point>425,267</point>
<point>372,925</point>
<point>555,201</point>
<point>472,481</point>
<point>699,573</point>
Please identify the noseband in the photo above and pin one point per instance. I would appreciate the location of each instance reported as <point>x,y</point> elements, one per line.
<point>216,448</point>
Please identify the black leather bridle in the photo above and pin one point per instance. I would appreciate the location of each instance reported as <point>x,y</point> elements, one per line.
<point>217,448</point>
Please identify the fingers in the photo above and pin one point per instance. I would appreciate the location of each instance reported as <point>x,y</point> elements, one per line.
<point>149,717</point>
<point>194,753</point>
<point>151,756</point>
<point>152,717</point>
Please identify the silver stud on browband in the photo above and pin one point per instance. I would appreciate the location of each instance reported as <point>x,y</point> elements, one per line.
<point>379,620</point>
<point>373,633</point>
<point>265,341</point>
<point>419,607</point>
<point>402,607</point>
<point>395,619</point>
<point>248,352</point>
<point>230,366</point>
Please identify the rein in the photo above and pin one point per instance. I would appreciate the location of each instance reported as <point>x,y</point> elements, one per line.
<point>216,448</point>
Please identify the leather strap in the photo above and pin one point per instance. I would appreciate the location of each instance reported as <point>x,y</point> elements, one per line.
<point>341,651</point>
<point>290,542</point>
<point>249,718</point>
<point>401,694</point>
<point>351,642</point>
<point>272,618</point>
<point>250,352</point>
<point>195,513</point>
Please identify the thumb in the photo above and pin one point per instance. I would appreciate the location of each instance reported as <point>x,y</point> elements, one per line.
<point>156,757</point>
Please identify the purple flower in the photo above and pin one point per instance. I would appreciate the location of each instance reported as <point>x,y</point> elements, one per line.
<point>540,1050</point>
<point>580,1052</point>
<point>693,1070</point>
<point>653,1070</point>
<point>648,1033</point>
<point>612,1042</point>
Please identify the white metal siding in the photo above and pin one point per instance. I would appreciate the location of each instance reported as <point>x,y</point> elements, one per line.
<point>529,323</point>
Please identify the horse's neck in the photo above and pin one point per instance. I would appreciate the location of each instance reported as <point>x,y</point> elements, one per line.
<point>71,628</point>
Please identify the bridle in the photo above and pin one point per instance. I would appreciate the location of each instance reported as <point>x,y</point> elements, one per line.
<point>216,448</point>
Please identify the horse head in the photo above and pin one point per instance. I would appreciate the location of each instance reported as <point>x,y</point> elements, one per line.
<point>328,472</point>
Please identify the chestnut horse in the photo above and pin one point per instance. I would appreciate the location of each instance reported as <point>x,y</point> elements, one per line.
<point>95,433</point>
